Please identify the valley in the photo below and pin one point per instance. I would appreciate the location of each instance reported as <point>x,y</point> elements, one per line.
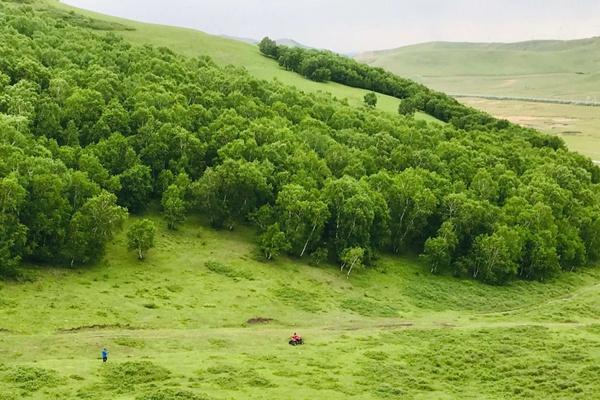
<point>418,259</point>
<point>559,70</point>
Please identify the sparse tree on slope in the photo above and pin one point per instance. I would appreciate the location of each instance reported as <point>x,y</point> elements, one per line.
<point>370,99</point>
<point>140,237</point>
<point>273,242</point>
<point>92,227</point>
<point>352,258</point>
<point>174,206</point>
<point>268,47</point>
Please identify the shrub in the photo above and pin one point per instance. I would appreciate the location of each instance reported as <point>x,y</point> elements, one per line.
<point>171,394</point>
<point>131,373</point>
<point>227,271</point>
<point>31,379</point>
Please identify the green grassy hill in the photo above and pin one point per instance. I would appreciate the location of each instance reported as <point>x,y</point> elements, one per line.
<point>225,51</point>
<point>202,317</point>
<point>511,58</point>
<point>555,69</point>
<point>566,70</point>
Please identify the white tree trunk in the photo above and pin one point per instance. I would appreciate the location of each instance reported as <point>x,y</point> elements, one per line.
<point>308,240</point>
<point>351,266</point>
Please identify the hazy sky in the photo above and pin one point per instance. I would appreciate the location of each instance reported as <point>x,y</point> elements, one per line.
<point>358,25</point>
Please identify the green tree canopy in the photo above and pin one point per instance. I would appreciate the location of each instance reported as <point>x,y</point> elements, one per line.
<point>89,121</point>
<point>140,237</point>
<point>268,47</point>
<point>370,99</point>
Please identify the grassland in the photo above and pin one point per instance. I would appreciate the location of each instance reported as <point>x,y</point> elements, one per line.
<point>553,69</point>
<point>226,51</point>
<point>566,70</point>
<point>579,126</point>
<point>202,317</point>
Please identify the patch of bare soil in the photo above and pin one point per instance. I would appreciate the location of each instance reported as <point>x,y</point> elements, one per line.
<point>259,320</point>
<point>397,325</point>
<point>95,327</point>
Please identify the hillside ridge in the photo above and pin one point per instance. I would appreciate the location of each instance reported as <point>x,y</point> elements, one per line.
<point>248,197</point>
<point>535,44</point>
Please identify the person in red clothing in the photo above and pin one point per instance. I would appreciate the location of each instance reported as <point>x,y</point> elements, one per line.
<point>296,338</point>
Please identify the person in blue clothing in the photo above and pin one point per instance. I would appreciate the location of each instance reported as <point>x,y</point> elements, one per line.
<point>104,355</point>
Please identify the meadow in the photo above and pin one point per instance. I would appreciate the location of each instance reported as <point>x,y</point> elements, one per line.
<point>204,316</point>
<point>578,126</point>
<point>539,69</point>
<point>554,69</point>
<point>201,318</point>
<point>226,51</point>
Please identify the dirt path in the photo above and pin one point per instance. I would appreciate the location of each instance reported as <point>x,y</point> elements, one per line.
<point>284,331</point>
<point>530,99</point>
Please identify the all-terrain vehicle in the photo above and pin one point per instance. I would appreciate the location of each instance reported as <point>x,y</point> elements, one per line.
<point>296,341</point>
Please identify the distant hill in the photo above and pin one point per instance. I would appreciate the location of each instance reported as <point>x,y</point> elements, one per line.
<point>284,41</point>
<point>507,76</point>
<point>224,51</point>
<point>545,68</point>
<point>240,39</point>
<point>291,43</point>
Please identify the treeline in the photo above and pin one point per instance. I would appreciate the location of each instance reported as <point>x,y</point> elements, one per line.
<point>91,126</point>
<point>323,66</point>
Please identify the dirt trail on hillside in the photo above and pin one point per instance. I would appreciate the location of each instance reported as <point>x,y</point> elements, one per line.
<point>284,331</point>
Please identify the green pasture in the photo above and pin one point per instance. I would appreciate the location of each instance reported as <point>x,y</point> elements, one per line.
<point>203,318</point>
<point>566,70</point>
<point>545,69</point>
<point>225,51</point>
<point>579,126</point>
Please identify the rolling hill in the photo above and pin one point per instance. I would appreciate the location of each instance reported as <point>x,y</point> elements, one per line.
<point>90,123</point>
<point>282,41</point>
<point>226,51</point>
<point>202,319</point>
<point>553,69</point>
<point>503,78</point>
<point>291,43</point>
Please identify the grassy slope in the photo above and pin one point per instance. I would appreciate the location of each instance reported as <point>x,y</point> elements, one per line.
<point>554,69</point>
<point>393,331</point>
<point>579,126</point>
<point>540,69</point>
<point>226,51</point>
